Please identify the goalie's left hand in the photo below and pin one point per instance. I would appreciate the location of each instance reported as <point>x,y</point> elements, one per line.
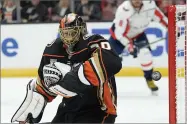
<point>53,74</point>
<point>31,110</point>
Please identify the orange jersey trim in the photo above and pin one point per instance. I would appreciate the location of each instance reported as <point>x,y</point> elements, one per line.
<point>58,56</point>
<point>78,51</point>
<point>90,74</point>
<point>96,41</point>
<point>40,90</point>
<point>108,99</point>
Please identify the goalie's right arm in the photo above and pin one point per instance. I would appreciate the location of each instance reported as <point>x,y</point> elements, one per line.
<point>41,87</point>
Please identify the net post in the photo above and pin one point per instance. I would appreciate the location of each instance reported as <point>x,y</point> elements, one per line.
<point>172,63</point>
<point>185,52</point>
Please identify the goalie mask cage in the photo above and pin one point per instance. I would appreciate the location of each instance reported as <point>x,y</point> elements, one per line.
<point>177,63</point>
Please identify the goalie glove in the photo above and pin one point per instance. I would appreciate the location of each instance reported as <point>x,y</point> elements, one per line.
<point>53,74</point>
<point>31,110</point>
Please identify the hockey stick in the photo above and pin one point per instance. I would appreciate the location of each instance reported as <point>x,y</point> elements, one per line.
<point>121,55</point>
<point>152,43</point>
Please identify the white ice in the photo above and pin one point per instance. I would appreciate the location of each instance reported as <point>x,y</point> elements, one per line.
<point>135,102</point>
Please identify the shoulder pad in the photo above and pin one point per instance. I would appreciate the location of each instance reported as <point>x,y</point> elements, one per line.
<point>95,41</point>
<point>54,42</point>
<point>53,46</point>
<point>125,10</point>
<point>149,4</point>
<point>125,4</point>
<point>96,38</point>
<point>87,36</point>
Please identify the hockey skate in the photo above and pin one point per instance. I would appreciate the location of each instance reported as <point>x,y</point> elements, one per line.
<point>154,89</point>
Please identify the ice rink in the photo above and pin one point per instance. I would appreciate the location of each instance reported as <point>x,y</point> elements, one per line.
<point>135,102</point>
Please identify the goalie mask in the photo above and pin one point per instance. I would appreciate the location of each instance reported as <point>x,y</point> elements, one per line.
<point>72,27</point>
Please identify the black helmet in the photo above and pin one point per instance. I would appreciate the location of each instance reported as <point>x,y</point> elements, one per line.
<point>71,28</point>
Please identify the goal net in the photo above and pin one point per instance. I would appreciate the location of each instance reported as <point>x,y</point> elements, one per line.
<point>177,63</point>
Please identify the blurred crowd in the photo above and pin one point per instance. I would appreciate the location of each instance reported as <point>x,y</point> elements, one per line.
<point>34,11</point>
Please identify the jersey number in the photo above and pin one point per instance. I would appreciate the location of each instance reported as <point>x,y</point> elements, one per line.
<point>104,45</point>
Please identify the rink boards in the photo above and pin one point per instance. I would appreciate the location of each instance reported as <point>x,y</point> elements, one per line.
<point>23,45</point>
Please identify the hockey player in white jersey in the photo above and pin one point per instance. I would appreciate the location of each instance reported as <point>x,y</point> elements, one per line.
<point>127,32</point>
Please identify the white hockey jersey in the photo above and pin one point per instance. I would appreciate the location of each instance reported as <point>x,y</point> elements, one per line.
<point>129,22</point>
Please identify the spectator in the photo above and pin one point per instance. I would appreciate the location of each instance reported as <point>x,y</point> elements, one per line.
<point>104,2</point>
<point>180,2</point>
<point>1,12</point>
<point>9,11</point>
<point>119,2</point>
<point>109,10</point>
<point>88,11</point>
<point>60,10</point>
<point>36,12</point>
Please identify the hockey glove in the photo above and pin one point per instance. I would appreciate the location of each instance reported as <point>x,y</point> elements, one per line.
<point>53,74</point>
<point>31,110</point>
<point>132,49</point>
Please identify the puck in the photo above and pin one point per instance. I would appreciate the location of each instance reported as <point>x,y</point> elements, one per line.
<point>156,75</point>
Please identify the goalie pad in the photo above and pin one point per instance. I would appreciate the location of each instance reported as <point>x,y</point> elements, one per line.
<point>31,110</point>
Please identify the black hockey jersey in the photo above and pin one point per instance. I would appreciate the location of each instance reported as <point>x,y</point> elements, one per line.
<point>101,63</point>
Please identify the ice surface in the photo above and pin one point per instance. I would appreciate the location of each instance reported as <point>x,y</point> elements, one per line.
<point>135,102</point>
